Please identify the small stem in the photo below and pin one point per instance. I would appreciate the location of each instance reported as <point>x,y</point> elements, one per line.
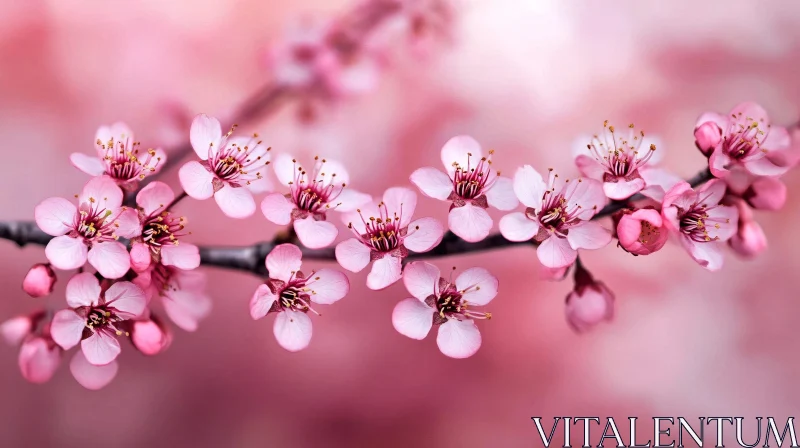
<point>177,199</point>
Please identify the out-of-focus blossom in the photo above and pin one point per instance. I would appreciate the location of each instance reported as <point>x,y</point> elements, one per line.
<point>766,193</point>
<point>231,168</point>
<point>554,274</point>
<point>589,303</point>
<point>290,293</point>
<point>640,232</point>
<point>94,227</point>
<point>470,185</point>
<point>150,336</point>
<point>312,195</point>
<point>384,235</point>
<point>181,292</point>
<point>445,304</point>
<point>744,139</point>
<point>92,376</point>
<point>621,162</point>
<point>39,358</point>
<point>94,317</point>
<point>700,222</point>
<point>16,329</point>
<point>119,157</point>
<point>749,239</point>
<point>161,232</point>
<point>39,280</point>
<point>313,59</point>
<point>557,216</point>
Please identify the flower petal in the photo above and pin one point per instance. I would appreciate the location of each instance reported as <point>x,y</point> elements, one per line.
<point>555,252</point>
<point>285,167</point>
<point>55,216</point>
<point>469,222</point>
<point>517,227</point>
<point>83,290</point>
<point>315,234</point>
<point>127,224</point>
<point>480,285</point>
<point>66,252</point>
<point>765,167</point>
<point>588,235</point>
<point>261,302</point>
<point>459,339</point>
<point>421,279</point>
<point>711,192</point>
<point>110,258</point>
<point>154,197</point>
<point>235,202</point>
<point>187,308</point>
<point>183,256</point>
<point>92,166</point>
<point>196,180</point>
<point>283,261</point>
<point>623,189</point>
<point>412,318</point>
<point>432,182</point>
<point>529,187</point>
<point>67,328</point>
<point>205,134</point>
<point>457,150</point>
<point>102,192</point>
<point>140,257</point>
<point>349,200</point>
<point>589,166</point>
<point>38,361</point>
<point>16,329</point>
<point>423,234</point>
<point>277,209</point>
<point>328,286</point>
<point>90,376</point>
<point>707,254</point>
<point>586,193</point>
<point>100,348</point>
<point>384,273</point>
<point>501,195</point>
<point>292,330</point>
<point>259,186</point>
<point>352,255</point>
<point>127,299</point>
<point>402,201</point>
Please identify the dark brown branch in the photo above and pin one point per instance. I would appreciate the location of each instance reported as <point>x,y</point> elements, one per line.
<point>251,258</point>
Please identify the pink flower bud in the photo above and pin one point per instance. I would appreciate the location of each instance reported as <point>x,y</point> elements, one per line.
<point>589,303</point>
<point>640,232</point>
<point>39,358</point>
<point>140,257</point>
<point>766,193</point>
<point>16,329</point>
<point>707,136</point>
<point>749,240</point>
<point>39,281</point>
<point>150,336</point>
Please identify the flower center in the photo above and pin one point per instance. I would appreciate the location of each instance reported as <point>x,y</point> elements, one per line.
<point>93,223</point>
<point>745,136</point>
<point>102,319</point>
<point>382,233</point>
<point>451,304</point>
<point>124,161</point>
<point>239,164</point>
<point>648,233</point>
<point>620,154</point>
<point>696,223</point>
<point>162,229</point>
<point>470,181</point>
<point>317,196</point>
<point>296,296</point>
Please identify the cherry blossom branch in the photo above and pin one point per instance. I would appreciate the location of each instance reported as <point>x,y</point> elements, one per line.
<point>251,258</point>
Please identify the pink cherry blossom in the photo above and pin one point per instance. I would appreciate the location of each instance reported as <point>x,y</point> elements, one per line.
<point>311,195</point>
<point>92,376</point>
<point>744,139</point>
<point>161,232</point>
<point>641,232</point>
<point>470,185</point>
<point>182,293</point>
<point>701,224</point>
<point>94,317</point>
<point>16,329</point>
<point>89,231</point>
<point>150,336</point>
<point>620,160</point>
<point>445,304</point>
<point>119,157</point>
<point>766,193</point>
<point>39,280</point>
<point>230,169</point>
<point>557,216</point>
<point>291,293</point>
<point>589,303</point>
<point>39,358</point>
<point>384,235</point>
<point>310,58</point>
<point>749,239</point>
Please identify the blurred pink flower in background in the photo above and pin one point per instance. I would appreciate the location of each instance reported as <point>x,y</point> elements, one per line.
<point>39,281</point>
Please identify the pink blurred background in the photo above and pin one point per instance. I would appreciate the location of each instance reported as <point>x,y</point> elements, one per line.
<point>524,78</point>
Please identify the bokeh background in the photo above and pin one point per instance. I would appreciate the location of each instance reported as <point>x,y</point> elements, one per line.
<point>523,77</point>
